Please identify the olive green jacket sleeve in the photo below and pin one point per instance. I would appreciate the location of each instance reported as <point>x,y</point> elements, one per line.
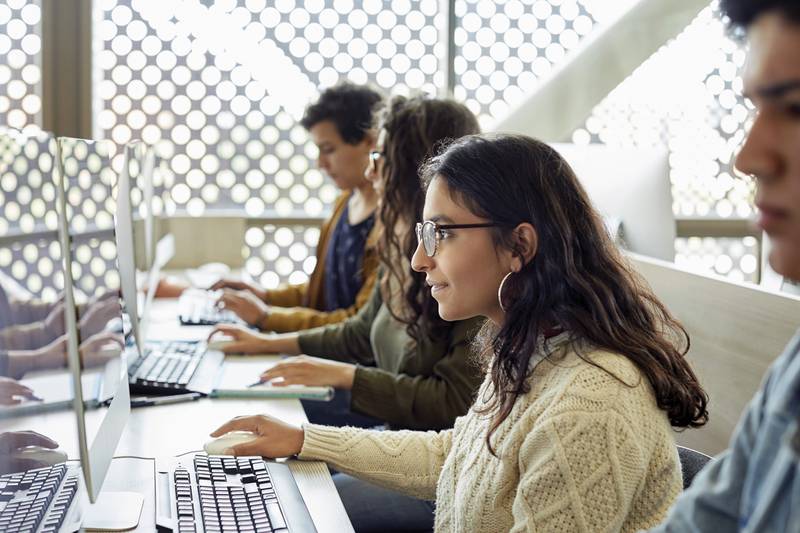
<point>431,401</point>
<point>348,341</point>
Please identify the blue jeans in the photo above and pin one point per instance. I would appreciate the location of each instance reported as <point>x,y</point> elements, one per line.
<point>337,412</point>
<point>372,508</point>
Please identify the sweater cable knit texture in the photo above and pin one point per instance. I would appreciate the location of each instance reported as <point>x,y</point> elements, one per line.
<point>580,452</point>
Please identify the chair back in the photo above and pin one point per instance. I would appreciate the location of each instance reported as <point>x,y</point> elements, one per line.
<point>737,331</point>
<point>692,462</point>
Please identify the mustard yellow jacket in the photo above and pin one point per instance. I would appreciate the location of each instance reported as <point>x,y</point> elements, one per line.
<point>296,307</point>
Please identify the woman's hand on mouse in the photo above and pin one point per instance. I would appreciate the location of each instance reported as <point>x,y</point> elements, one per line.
<point>274,438</point>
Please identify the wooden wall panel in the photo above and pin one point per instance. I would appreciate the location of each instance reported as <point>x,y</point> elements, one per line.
<point>736,331</point>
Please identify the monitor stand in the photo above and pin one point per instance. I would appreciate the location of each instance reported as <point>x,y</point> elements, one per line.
<point>113,511</point>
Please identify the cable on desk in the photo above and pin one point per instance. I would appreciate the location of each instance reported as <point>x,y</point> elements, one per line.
<point>190,451</point>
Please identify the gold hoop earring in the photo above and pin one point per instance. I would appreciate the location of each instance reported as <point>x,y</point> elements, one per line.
<point>500,291</point>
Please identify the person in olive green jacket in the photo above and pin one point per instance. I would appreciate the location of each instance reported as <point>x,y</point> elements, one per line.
<point>396,361</point>
<point>399,361</point>
<point>423,384</point>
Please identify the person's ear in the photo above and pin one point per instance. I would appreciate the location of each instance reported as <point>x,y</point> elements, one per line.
<point>526,244</point>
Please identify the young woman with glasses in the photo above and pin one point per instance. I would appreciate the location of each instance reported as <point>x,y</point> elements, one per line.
<point>585,369</point>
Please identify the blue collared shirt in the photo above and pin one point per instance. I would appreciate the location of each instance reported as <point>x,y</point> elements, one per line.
<point>343,273</point>
<point>753,486</point>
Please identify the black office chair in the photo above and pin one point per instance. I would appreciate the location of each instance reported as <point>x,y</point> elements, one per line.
<point>692,462</point>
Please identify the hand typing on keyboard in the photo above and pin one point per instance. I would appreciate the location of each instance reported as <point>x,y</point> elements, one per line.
<point>246,305</point>
<point>238,285</point>
<point>274,438</point>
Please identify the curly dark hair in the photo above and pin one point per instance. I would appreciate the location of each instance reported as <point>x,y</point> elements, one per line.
<point>415,128</point>
<point>352,108</point>
<point>742,13</point>
<point>578,280</point>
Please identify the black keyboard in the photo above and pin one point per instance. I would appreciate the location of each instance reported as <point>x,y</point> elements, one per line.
<point>224,494</point>
<point>166,366</point>
<point>202,310</point>
<point>37,500</point>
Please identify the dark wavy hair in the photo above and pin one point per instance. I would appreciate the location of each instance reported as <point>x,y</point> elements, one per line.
<point>414,129</point>
<point>577,280</point>
<point>352,108</point>
<point>742,13</point>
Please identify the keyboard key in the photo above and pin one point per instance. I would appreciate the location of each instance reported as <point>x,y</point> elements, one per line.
<point>275,516</point>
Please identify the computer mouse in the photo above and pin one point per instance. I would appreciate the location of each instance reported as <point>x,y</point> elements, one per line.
<point>44,456</point>
<point>221,445</point>
<point>219,344</point>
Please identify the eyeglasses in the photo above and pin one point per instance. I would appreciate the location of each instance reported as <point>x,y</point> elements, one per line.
<point>373,159</point>
<point>429,233</point>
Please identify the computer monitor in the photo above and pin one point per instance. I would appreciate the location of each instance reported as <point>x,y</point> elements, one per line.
<point>31,299</point>
<point>139,166</point>
<point>32,327</point>
<point>631,185</point>
<point>117,510</point>
<point>124,223</point>
<point>147,186</point>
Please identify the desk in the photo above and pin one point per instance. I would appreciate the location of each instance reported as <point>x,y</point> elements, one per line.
<point>168,430</point>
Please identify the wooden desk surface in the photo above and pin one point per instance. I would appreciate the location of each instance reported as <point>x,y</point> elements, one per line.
<point>164,431</point>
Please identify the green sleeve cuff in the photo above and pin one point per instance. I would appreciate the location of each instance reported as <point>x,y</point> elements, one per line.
<point>369,393</point>
<point>312,341</point>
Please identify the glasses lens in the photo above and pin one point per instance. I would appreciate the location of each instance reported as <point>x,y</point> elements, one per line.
<point>429,238</point>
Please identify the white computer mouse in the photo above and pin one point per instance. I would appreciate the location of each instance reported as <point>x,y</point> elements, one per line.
<point>219,344</point>
<point>44,456</point>
<point>220,445</point>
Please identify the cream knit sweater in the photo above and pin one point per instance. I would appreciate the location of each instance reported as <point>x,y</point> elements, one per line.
<point>580,452</point>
